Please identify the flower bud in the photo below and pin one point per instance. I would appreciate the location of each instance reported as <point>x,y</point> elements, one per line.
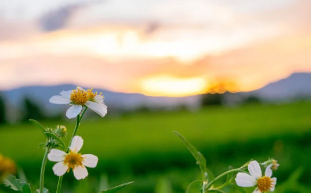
<point>60,131</point>
<point>274,164</point>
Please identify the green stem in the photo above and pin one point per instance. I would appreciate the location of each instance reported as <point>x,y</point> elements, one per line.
<point>215,190</point>
<point>202,173</point>
<point>223,185</point>
<point>47,150</point>
<point>59,184</point>
<point>221,175</point>
<point>79,118</point>
<point>204,186</point>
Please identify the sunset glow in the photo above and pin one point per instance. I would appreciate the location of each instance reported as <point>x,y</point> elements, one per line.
<point>171,86</point>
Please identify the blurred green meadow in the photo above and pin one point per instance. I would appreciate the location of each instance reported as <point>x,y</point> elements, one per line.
<point>141,147</point>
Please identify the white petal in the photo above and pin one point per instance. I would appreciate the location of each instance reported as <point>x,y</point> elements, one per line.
<point>257,191</point>
<point>273,184</point>
<point>80,172</point>
<point>245,180</point>
<point>66,93</point>
<point>57,99</point>
<point>268,171</point>
<point>60,169</point>
<point>254,169</point>
<point>90,160</point>
<point>76,144</point>
<point>99,99</point>
<point>99,108</point>
<point>56,155</point>
<point>274,180</point>
<point>73,111</point>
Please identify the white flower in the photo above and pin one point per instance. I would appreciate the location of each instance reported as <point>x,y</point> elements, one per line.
<point>73,160</point>
<point>78,98</point>
<point>263,183</point>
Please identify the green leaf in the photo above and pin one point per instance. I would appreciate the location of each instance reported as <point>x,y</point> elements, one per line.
<point>204,168</point>
<point>117,188</point>
<point>39,125</point>
<point>13,183</point>
<point>17,185</point>
<point>190,147</point>
<point>200,159</point>
<point>44,191</point>
<point>26,188</point>
<point>59,140</point>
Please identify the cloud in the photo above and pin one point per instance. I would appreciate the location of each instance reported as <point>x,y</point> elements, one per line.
<point>250,67</point>
<point>57,19</point>
<point>20,10</point>
<point>17,30</point>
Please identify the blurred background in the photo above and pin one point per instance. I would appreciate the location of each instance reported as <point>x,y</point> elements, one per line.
<point>233,77</point>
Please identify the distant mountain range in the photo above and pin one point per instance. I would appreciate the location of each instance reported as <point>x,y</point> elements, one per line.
<point>114,100</point>
<point>298,85</point>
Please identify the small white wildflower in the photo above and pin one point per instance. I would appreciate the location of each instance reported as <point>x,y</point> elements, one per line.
<point>73,160</point>
<point>264,183</point>
<point>78,98</point>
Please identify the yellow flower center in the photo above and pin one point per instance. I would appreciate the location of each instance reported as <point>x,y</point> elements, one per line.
<point>92,95</point>
<point>264,184</point>
<point>80,97</point>
<point>73,160</point>
<point>7,166</point>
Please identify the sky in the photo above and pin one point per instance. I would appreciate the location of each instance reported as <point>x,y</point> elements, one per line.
<point>154,47</point>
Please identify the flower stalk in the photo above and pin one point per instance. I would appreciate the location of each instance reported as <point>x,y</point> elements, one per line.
<point>79,118</point>
<point>222,175</point>
<point>44,160</point>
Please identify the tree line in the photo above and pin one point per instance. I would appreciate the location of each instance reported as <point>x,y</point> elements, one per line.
<point>28,110</point>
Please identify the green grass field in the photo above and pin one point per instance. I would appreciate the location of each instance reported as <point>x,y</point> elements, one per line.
<point>143,148</point>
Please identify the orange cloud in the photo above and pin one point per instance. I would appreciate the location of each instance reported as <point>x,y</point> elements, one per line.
<point>124,59</point>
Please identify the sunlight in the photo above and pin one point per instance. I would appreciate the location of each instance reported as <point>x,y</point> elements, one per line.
<point>172,86</point>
